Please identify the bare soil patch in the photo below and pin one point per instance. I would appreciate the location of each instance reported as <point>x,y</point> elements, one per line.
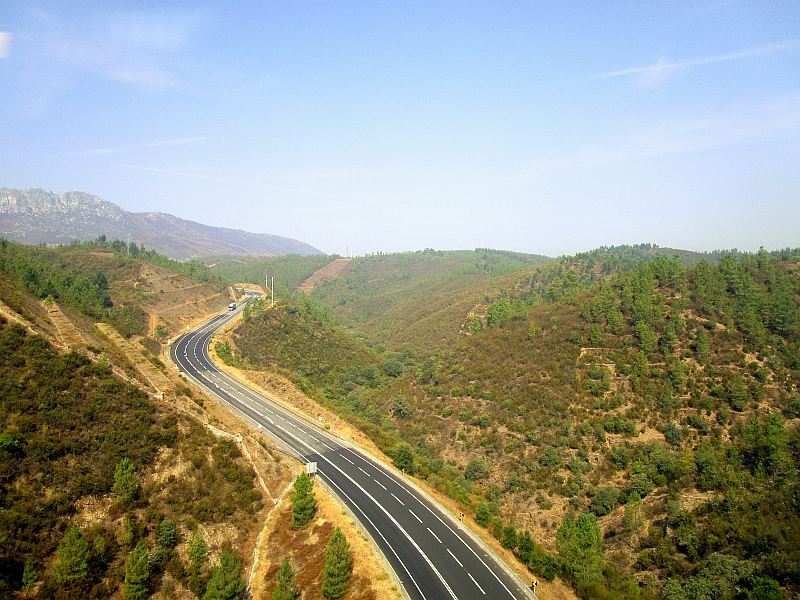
<point>329,271</point>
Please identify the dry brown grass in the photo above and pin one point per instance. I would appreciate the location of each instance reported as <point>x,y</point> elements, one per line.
<point>305,550</point>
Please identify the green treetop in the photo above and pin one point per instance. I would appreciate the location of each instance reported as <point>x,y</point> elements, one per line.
<point>285,586</point>
<point>338,566</point>
<point>137,570</point>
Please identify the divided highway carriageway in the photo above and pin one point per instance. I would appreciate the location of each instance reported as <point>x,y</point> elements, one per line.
<point>431,554</point>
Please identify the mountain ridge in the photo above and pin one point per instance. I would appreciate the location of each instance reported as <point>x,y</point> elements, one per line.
<point>34,215</point>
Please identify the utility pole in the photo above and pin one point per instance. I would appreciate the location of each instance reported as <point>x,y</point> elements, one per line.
<point>272,287</point>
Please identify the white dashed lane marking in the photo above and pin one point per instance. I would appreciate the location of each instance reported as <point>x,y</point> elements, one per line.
<point>454,558</point>
<point>476,583</point>
<point>398,499</point>
<point>434,535</point>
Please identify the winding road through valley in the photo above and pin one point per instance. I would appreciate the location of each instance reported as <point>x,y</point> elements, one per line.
<point>432,555</point>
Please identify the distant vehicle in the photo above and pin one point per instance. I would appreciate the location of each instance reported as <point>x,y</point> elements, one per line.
<point>232,306</point>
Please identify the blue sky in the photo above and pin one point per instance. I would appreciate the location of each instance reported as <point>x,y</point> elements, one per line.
<point>537,127</point>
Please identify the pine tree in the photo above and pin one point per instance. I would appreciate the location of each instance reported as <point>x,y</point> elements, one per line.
<point>581,545</point>
<point>304,504</point>
<point>634,517</point>
<point>285,587</point>
<point>73,558</point>
<point>167,534</point>
<point>137,570</point>
<point>702,346</point>
<point>198,556</point>
<point>338,566</point>
<point>226,581</point>
<point>126,484</point>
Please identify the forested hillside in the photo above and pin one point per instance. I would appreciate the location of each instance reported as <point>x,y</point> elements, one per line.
<point>79,516</point>
<point>629,426</point>
<point>86,275</point>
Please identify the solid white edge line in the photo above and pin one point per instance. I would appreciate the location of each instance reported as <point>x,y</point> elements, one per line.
<point>410,539</point>
<point>355,505</point>
<point>463,541</point>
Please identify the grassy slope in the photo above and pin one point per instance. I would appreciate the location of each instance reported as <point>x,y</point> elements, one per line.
<point>287,271</point>
<point>417,299</point>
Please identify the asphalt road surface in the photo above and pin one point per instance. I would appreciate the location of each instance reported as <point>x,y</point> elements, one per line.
<point>431,553</point>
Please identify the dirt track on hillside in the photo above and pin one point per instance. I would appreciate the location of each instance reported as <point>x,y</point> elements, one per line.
<point>329,271</point>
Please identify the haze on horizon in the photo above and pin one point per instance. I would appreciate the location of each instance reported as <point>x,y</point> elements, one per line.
<point>543,128</point>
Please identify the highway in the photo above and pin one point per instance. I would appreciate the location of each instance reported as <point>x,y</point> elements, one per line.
<point>431,554</point>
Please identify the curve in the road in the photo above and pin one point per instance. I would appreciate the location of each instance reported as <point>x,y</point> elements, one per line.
<point>432,555</point>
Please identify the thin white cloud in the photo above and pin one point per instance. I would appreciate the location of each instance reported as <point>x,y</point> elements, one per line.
<point>155,144</point>
<point>141,47</point>
<point>663,67</point>
<point>5,43</point>
<point>232,180</point>
<point>738,124</point>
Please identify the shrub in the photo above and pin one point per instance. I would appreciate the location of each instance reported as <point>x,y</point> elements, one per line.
<point>403,456</point>
<point>477,468</point>
<point>550,457</point>
<point>621,456</point>
<point>482,514</point>
<point>673,434</point>
<point>402,408</point>
<point>604,500</point>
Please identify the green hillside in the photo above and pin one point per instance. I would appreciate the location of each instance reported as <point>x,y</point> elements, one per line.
<point>638,417</point>
<point>71,433</point>
<point>418,299</point>
<point>287,271</point>
<point>86,507</point>
<point>81,276</point>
